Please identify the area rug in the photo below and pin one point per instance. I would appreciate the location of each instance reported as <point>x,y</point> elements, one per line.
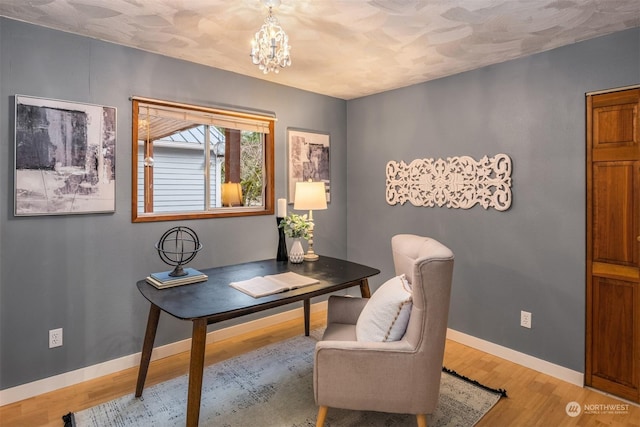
<point>273,387</point>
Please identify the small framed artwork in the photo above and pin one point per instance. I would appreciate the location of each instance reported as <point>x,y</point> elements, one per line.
<point>308,159</point>
<point>65,157</point>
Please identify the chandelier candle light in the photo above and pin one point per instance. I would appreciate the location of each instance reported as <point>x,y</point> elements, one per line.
<point>310,196</point>
<point>270,46</point>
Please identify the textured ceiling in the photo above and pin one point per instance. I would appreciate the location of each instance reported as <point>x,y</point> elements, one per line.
<point>342,48</point>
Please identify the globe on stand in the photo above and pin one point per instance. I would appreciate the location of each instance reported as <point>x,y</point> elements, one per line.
<point>177,247</point>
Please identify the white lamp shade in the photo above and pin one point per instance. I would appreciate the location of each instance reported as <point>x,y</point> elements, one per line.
<point>310,196</point>
<point>231,194</point>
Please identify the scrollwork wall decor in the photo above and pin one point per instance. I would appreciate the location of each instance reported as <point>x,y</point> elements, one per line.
<point>457,182</point>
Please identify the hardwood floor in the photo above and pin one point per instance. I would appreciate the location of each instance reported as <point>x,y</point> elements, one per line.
<point>534,399</point>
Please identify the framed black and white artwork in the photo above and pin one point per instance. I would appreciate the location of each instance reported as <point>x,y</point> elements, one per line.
<point>308,159</point>
<point>65,157</point>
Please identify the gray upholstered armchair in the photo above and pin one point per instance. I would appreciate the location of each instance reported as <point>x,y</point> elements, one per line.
<point>399,376</point>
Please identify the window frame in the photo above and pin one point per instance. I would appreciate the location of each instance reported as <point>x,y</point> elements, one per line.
<point>221,212</point>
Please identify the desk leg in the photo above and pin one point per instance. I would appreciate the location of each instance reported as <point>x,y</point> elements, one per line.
<point>307,315</point>
<point>147,347</point>
<point>364,288</point>
<point>196,366</point>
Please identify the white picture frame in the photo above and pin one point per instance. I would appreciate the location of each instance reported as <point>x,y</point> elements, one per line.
<point>64,157</point>
<point>308,157</point>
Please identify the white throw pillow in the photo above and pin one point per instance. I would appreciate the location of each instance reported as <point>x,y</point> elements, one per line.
<point>386,315</point>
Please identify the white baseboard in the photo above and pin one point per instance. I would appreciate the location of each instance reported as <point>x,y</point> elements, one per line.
<point>548,368</point>
<point>56,382</point>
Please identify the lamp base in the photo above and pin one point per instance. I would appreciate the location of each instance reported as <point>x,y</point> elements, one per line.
<point>311,257</point>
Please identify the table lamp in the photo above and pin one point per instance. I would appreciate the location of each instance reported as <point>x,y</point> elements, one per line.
<point>310,196</point>
<point>231,194</point>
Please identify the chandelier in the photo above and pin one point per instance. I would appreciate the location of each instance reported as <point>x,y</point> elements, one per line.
<point>270,46</point>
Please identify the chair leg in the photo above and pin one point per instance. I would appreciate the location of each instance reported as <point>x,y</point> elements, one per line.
<point>322,414</point>
<point>422,420</point>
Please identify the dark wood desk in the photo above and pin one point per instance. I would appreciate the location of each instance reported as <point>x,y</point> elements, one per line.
<point>214,301</point>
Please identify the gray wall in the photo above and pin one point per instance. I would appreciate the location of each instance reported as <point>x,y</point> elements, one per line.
<point>531,257</point>
<point>79,272</point>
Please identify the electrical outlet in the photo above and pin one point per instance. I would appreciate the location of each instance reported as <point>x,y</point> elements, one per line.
<point>525,319</point>
<point>55,338</point>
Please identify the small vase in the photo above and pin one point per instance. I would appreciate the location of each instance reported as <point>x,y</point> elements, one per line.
<point>296,254</point>
<point>281,255</point>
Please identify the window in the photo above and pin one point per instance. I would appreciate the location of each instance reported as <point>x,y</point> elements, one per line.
<point>193,162</point>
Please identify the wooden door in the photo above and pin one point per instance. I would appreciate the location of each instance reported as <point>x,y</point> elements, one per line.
<point>613,243</point>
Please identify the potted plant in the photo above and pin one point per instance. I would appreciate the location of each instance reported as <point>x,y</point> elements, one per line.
<point>297,227</point>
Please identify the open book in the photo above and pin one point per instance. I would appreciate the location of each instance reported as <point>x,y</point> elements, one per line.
<point>273,284</point>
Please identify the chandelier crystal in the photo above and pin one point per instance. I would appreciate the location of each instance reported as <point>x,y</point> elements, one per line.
<point>270,46</point>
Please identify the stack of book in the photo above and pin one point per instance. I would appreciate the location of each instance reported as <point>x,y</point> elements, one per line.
<point>164,280</point>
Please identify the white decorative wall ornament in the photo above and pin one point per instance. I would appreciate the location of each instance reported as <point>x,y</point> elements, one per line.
<point>457,182</point>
